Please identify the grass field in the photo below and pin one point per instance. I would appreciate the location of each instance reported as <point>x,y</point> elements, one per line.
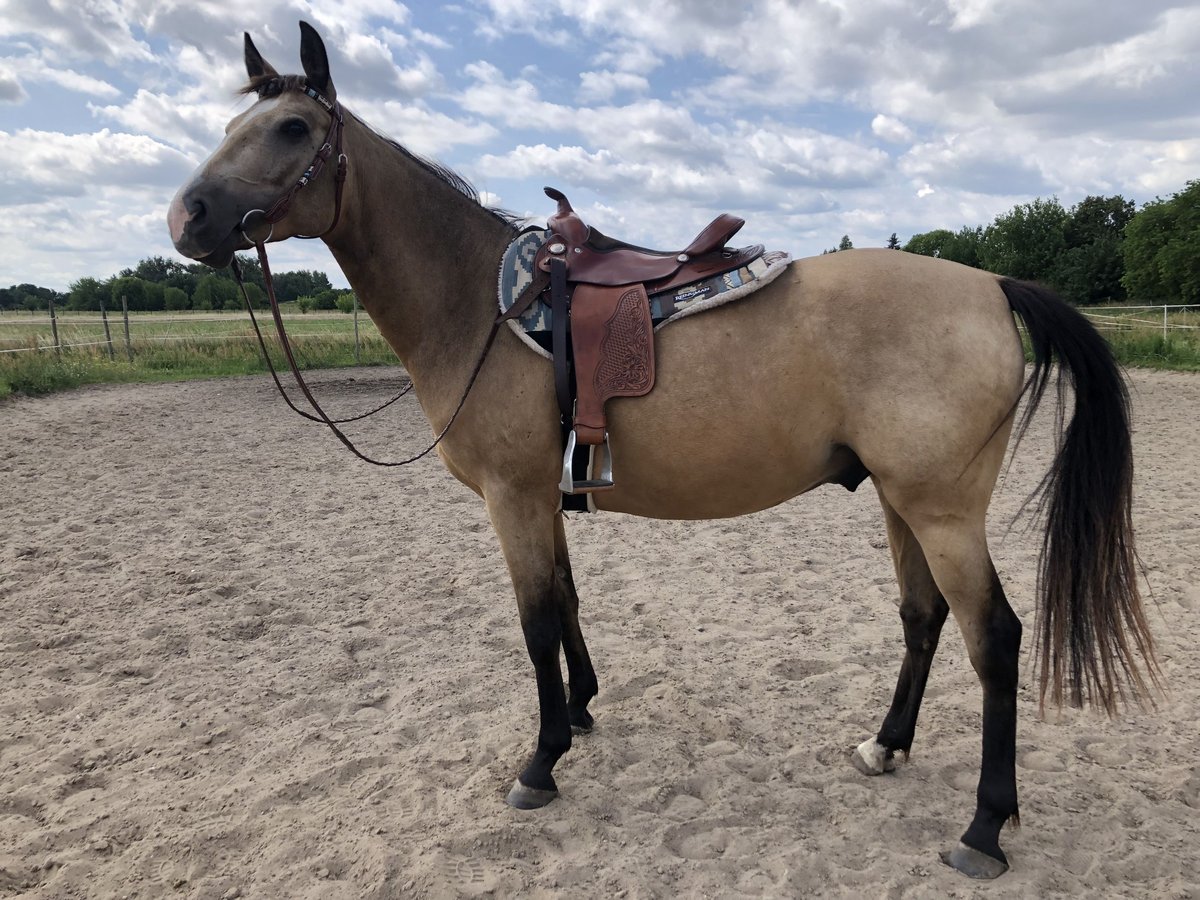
<point>171,347</point>
<point>182,346</point>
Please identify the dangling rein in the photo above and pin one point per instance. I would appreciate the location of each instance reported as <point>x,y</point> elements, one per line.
<point>279,209</point>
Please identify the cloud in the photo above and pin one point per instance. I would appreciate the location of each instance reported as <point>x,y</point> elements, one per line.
<point>98,31</point>
<point>604,85</point>
<point>34,69</point>
<point>891,130</point>
<point>10,89</point>
<point>44,164</point>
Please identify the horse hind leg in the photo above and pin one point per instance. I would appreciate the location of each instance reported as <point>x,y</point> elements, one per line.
<point>582,685</point>
<point>922,612</point>
<point>956,549</point>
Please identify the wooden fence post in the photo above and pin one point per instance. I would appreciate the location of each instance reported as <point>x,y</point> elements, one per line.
<point>356,358</point>
<point>125,315</point>
<point>107,333</point>
<point>54,329</point>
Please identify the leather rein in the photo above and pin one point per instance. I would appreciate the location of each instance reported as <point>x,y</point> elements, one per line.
<point>274,213</point>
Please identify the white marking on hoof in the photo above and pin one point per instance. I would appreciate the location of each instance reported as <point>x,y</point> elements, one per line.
<point>871,758</point>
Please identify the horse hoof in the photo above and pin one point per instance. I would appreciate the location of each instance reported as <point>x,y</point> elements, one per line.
<point>974,863</point>
<point>871,758</point>
<point>522,797</point>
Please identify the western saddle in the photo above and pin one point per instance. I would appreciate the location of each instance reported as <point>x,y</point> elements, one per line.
<point>599,292</point>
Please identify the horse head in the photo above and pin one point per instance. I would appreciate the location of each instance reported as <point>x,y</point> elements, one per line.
<point>247,190</point>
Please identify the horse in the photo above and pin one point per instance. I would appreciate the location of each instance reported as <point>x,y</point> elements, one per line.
<point>877,364</point>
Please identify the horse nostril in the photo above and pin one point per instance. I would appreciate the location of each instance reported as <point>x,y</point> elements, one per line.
<point>197,208</point>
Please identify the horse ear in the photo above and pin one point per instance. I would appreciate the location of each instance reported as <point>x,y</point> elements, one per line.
<point>315,61</point>
<point>256,66</point>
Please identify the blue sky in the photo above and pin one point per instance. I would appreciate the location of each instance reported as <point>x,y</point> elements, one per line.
<point>809,119</point>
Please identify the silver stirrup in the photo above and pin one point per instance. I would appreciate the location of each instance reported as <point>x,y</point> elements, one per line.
<point>568,484</point>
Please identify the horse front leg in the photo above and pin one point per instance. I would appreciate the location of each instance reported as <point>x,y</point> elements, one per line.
<point>527,537</point>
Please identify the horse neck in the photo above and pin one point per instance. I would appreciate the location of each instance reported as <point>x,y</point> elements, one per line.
<point>421,256</point>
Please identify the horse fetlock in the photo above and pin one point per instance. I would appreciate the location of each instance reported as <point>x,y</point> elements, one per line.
<point>872,758</point>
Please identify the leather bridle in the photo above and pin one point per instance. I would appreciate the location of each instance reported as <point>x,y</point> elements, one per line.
<point>274,213</point>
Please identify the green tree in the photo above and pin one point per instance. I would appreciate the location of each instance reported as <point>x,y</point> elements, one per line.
<point>304,303</point>
<point>893,242</point>
<point>326,299</point>
<point>175,299</point>
<point>345,301</point>
<point>87,292</point>
<point>1026,241</point>
<point>845,243</point>
<point>1091,265</point>
<point>290,285</point>
<point>212,292</point>
<point>1161,250</point>
<point>929,243</point>
<point>137,293</point>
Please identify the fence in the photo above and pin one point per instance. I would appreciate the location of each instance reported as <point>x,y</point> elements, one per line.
<point>1181,317</point>
<point>59,330</point>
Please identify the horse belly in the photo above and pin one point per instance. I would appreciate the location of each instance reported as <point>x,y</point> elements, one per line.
<point>741,419</point>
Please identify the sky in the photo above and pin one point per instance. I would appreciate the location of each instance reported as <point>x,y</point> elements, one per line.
<point>810,119</point>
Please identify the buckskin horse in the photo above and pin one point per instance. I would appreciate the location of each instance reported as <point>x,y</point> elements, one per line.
<point>865,364</point>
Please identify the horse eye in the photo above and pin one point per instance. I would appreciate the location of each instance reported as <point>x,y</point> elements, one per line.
<point>294,128</point>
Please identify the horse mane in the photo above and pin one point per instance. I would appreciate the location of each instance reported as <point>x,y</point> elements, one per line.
<point>272,85</point>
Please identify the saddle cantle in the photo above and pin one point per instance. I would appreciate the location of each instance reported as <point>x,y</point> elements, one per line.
<point>599,290</point>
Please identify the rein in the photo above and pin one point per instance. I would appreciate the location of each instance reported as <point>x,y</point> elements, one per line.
<point>271,215</point>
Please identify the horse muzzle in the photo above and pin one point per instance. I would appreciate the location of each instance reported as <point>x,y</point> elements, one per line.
<point>205,224</point>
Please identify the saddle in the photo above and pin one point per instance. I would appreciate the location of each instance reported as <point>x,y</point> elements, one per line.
<point>600,292</point>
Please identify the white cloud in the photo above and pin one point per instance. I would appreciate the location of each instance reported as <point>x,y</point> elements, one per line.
<point>891,130</point>
<point>605,85</point>
<point>10,88</point>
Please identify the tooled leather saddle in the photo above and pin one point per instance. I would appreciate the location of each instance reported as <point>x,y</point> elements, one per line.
<point>599,292</point>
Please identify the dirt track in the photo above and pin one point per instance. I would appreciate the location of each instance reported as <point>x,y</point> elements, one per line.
<point>237,662</point>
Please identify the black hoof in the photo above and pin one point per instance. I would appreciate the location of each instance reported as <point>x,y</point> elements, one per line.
<point>974,863</point>
<point>581,721</point>
<point>522,797</point>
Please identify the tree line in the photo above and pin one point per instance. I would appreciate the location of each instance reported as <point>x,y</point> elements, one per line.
<point>1101,250</point>
<point>158,283</point>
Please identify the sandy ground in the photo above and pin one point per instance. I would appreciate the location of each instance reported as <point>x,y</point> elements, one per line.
<point>238,663</point>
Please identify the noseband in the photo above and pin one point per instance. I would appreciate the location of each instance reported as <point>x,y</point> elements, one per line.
<point>271,215</point>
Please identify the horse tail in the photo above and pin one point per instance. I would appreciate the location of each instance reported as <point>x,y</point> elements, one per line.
<point>1090,617</point>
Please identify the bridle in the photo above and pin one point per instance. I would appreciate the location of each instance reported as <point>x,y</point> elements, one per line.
<point>275,212</point>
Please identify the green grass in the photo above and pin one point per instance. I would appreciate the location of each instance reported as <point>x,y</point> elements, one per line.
<point>171,347</point>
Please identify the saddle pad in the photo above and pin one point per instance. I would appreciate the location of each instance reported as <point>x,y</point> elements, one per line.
<point>517,273</point>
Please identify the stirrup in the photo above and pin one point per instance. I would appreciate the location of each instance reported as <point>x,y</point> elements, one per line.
<point>568,484</point>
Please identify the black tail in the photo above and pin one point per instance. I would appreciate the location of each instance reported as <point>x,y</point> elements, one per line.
<point>1090,618</point>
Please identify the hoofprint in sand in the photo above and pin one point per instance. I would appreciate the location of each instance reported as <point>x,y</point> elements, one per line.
<point>237,662</point>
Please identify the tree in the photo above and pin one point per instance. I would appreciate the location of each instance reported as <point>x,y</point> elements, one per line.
<point>1161,250</point>
<point>139,294</point>
<point>304,303</point>
<point>87,292</point>
<point>893,242</point>
<point>29,297</point>
<point>1091,265</point>
<point>326,300</point>
<point>845,243</point>
<point>175,299</point>
<point>212,292</point>
<point>290,285</point>
<point>345,301</point>
<point>930,243</point>
<point>1026,241</point>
